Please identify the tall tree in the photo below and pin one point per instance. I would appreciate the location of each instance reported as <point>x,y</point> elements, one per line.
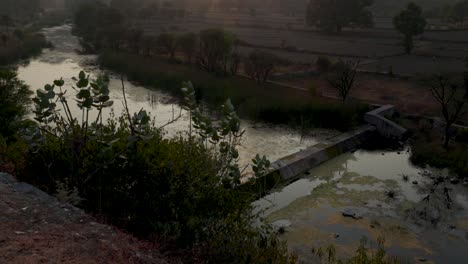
<point>333,16</point>
<point>6,22</point>
<point>215,48</point>
<point>410,22</point>
<point>451,103</point>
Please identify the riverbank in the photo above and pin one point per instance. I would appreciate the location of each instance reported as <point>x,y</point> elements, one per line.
<point>267,102</point>
<point>21,44</point>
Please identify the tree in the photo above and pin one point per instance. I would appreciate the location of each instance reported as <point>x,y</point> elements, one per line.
<point>6,21</point>
<point>260,64</point>
<point>215,48</point>
<point>460,13</point>
<point>465,77</point>
<point>333,16</point>
<point>147,44</point>
<point>14,100</point>
<point>134,37</point>
<point>188,45</point>
<point>451,103</point>
<point>410,22</point>
<point>168,42</point>
<point>344,77</point>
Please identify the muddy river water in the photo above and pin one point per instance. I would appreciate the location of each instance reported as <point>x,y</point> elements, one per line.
<point>421,213</point>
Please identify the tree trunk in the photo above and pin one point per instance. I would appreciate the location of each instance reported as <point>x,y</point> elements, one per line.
<point>409,44</point>
<point>447,136</point>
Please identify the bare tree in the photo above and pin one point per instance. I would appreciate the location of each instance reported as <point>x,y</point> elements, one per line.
<point>260,64</point>
<point>344,77</point>
<point>451,103</point>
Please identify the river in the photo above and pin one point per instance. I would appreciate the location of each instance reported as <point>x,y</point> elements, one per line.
<point>64,62</point>
<point>388,196</point>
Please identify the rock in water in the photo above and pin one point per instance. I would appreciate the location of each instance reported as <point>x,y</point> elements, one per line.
<point>353,213</point>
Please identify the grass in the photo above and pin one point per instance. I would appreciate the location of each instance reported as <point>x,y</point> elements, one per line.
<point>265,102</point>
<point>427,148</point>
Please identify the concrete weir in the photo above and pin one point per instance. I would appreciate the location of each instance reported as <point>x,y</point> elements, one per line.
<point>288,168</point>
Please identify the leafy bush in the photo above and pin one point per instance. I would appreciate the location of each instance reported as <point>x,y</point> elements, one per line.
<point>427,151</point>
<point>14,99</point>
<point>313,115</point>
<point>323,63</point>
<point>182,188</point>
<point>21,45</point>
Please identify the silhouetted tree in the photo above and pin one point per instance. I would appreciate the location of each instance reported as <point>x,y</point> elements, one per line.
<point>343,78</point>
<point>168,42</point>
<point>451,103</point>
<point>460,13</point>
<point>260,64</point>
<point>465,77</point>
<point>215,48</point>
<point>147,44</point>
<point>6,22</point>
<point>188,45</point>
<point>333,16</point>
<point>410,22</point>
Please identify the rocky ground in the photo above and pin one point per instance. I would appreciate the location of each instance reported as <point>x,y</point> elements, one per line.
<point>36,228</point>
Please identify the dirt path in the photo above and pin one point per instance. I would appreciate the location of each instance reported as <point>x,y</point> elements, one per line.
<point>36,228</point>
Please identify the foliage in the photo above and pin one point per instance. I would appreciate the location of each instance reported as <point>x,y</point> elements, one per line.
<point>14,99</point>
<point>410,22</point>
<point>344,77</point>
<point>425,151</point>
<point>362,256</point>
<point>451,103</point>
<point>260,64</point>
<point>188,45</point>
<point>20,11</point>
<point>215,48</point>
<point>460,13</point>
<point>168,43</point>
<point>181,188</point>
<point>267,102</point>
<point>333,16</point>
<point>340,117</point>
<point>21,45</point>
<point>99,25</point>
<point>323,63</point>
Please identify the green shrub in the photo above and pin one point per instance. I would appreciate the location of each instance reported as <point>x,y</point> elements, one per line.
<point>183,188</point>
<point>21,45</point>
<point>323,64</point>
<point>14,100</point>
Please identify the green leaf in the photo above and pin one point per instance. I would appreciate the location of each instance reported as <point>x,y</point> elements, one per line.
<point>82,75</point>
<point>59,83</point>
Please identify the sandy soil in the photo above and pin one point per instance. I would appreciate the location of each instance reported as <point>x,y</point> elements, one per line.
<point>36,228</point>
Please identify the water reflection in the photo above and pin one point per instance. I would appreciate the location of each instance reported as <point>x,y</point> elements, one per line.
<point>426,218</point>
